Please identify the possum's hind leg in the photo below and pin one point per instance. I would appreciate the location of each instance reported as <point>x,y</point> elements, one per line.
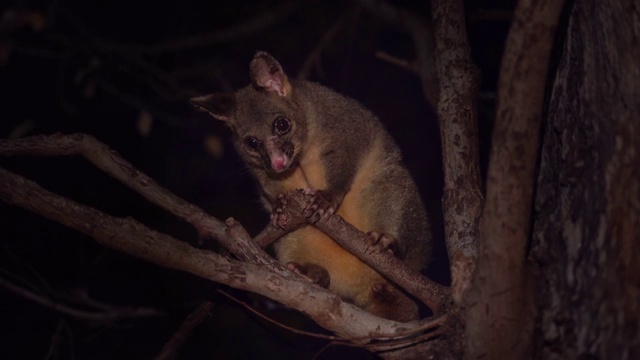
<point>389,302</point>
<point>314,273</point>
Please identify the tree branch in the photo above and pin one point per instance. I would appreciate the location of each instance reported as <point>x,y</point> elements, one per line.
<point>194,319</point>
<point>262,275</point>
<point>462,198</point>
<point>232,236</point>
<point>112,163</point>
<point>243,29</point>
<point>501,285</point>
<point>329,36</point>
<point>353,240</point>
<point>423,40</point>
<point>108,315</point>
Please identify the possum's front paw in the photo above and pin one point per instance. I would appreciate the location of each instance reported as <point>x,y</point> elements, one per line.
<point>320,209</point>
<point>314,273</point>
<point>278,217</point>
<point>379,242</point>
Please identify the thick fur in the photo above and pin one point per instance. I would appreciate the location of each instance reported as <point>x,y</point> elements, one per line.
<point>340,148</point>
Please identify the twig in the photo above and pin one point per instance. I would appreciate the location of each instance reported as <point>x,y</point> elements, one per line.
<point>56,338</point>
<point>137,103</point>
<point>111,315</point>
<point>417,27</point>
<point>194,319</point>
<point>314,57</point>
<point>270,233</point>
<point>243,29</point>
<point>395,339</point>
<point>401,63</point>
<point>113,164</point>
<point>277,323</point>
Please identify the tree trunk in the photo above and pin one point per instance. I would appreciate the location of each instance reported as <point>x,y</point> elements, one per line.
<point>586,236</point>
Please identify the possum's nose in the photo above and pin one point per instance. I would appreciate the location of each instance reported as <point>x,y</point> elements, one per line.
<point>279,162</point>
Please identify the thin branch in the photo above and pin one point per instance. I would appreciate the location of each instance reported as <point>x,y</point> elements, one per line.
<point>409,66</point>
<point>423,40</point>
<point>232,33</point>
<point>194,319</point>
<point>134,64</point>
<point>279,324</point>
<point>113,164</point>
<point>56,338</point>
<point>392,340</point>
<point>272,233</point>
<point>111,315</point>
<point>314,57</point>
<point>138,103</point>
<point>390,346</point>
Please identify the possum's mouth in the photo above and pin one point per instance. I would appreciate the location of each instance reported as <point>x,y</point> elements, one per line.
<point>280,162</point>
<point>282,158</point>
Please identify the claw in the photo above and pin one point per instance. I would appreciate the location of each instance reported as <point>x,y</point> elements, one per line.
<point>278,217</point>
<point>379,242</point>
<point>320,209</point>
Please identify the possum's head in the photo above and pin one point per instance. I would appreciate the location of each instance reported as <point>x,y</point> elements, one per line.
<point>269,126</point>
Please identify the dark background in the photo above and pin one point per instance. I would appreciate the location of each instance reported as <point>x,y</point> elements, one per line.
<point>96,67</point>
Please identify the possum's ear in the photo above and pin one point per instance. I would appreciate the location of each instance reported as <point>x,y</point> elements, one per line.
<point>266,73</point>
<point>220,105</point>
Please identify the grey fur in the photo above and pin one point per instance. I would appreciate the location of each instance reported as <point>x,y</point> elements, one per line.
<point>345,135</point>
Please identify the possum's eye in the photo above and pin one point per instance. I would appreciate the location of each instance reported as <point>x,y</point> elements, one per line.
<point>252,143</point>
<point>281,126</point>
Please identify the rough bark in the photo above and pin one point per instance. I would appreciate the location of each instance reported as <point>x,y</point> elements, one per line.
<point>255,271</point>
<point>462,199</point>
<point>133,238</point>
<point>499,317</point>
<point>586,238</point>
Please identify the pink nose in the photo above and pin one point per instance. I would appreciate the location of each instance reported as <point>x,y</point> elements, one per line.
<point>278,163</point>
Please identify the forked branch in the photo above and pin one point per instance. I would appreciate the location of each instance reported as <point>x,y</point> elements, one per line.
<point>257,272</point>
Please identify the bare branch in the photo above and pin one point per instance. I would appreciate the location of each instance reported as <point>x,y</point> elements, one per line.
<point>401,338</point>
<point>237,31</point>
<point>462,198</point>
<point>113,164</point>
<point>109,315</point>
<point>271,233</point>
<point>422,37</point>
<point>133,238</point>
<point>501,285</point>
<point>401,63</point>
<point>194,319</point>
<point>314,57</point>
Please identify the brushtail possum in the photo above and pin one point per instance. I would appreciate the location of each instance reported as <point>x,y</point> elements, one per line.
<point>301,135</point>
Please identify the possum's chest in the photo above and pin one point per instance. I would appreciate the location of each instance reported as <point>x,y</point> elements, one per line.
<point>309,174</point>
<point>350,277</point>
